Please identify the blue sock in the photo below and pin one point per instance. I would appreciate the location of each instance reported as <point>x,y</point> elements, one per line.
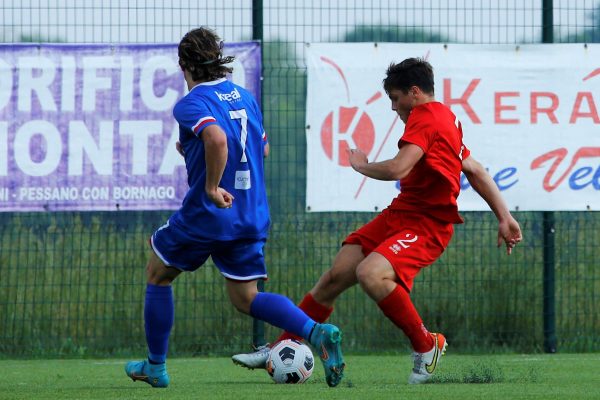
<point>279,311</point>
<point>159,314</point>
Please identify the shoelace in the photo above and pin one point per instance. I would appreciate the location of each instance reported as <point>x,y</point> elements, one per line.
<point>260,351</point>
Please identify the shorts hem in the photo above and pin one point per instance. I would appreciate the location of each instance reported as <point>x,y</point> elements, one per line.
<point>162,258</point>
<point>235,278</point>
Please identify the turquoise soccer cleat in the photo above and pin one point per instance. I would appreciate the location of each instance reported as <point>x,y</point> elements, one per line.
<point>153,374</point>
<point>327,339</point>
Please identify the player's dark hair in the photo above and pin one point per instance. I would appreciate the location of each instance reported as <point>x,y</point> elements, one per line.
<point>410,72</point>
<point>201,53</point>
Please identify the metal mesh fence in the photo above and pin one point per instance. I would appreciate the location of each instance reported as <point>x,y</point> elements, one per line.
<point>73,283</point>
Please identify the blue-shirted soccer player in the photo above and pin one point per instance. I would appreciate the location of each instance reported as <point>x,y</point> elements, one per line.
<point>224,215</point>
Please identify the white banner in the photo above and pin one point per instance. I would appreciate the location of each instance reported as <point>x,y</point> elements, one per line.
<point>530,114</point>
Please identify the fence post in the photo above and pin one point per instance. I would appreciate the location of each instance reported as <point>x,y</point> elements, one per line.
<point>257,20</point>
<point>549,284</point>
<point>547,21</point>
<point>548,217</point>
<point>258,326</point>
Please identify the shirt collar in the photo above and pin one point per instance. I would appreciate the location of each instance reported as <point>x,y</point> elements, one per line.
<point>210,83</point>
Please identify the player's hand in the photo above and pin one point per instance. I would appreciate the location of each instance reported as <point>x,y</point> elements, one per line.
<point>357,158</point>
<point>179,148</point>
<point>509,232</point>
<point>220,197</point>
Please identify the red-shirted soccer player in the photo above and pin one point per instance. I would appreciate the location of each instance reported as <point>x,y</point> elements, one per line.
<point>386,254</point>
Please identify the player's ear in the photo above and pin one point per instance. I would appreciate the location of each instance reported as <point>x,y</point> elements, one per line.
<point>414,91</point>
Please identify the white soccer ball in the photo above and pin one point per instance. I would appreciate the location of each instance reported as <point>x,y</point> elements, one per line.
<point>290,362</point>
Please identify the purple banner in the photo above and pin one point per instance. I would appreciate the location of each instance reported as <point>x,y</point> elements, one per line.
<point>90,127</point>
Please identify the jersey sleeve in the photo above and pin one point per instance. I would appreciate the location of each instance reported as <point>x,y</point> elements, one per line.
<point>193,116</point>
<point>419,130</point>
<point>465,152</point>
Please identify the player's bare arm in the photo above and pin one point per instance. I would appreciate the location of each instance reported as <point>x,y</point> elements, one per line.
<point>179,148</point>
<point>215,144</point>
<point>389,170</point>
<point>509,230</point>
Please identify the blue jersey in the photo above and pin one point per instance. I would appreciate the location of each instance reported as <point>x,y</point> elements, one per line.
<point>236,111</point>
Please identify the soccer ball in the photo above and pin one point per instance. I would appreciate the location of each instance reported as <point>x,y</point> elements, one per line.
<point>290,362</point>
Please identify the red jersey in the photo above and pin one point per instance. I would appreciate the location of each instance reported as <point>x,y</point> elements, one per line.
<point>433,184</point>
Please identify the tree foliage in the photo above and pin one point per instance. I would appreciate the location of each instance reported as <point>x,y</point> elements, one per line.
<point>392,33</point>
<point>591,34</point>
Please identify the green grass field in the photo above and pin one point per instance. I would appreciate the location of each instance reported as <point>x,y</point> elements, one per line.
<point>536,376</point>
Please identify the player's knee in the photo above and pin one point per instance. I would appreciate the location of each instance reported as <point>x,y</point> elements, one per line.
<point>365,276</point>
<point>243,302</point>
<point>152,275</point>
<point>158,276</point>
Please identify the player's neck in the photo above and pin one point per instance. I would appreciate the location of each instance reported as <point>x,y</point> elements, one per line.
<point>192,83</point>
<point>425,99</point>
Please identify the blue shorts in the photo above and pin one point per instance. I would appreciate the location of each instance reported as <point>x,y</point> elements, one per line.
<point>241,259</point>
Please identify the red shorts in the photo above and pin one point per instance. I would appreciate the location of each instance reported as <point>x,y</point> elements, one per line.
<point>407,240</point>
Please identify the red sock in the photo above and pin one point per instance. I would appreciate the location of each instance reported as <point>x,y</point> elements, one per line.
<point>314,310</point>
<point>398,307</point>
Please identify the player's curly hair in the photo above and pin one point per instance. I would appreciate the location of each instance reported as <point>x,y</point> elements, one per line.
<point>410,72</point>
<point>201,53</point>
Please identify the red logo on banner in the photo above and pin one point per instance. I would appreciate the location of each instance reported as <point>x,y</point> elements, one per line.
<point>346,128</point>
